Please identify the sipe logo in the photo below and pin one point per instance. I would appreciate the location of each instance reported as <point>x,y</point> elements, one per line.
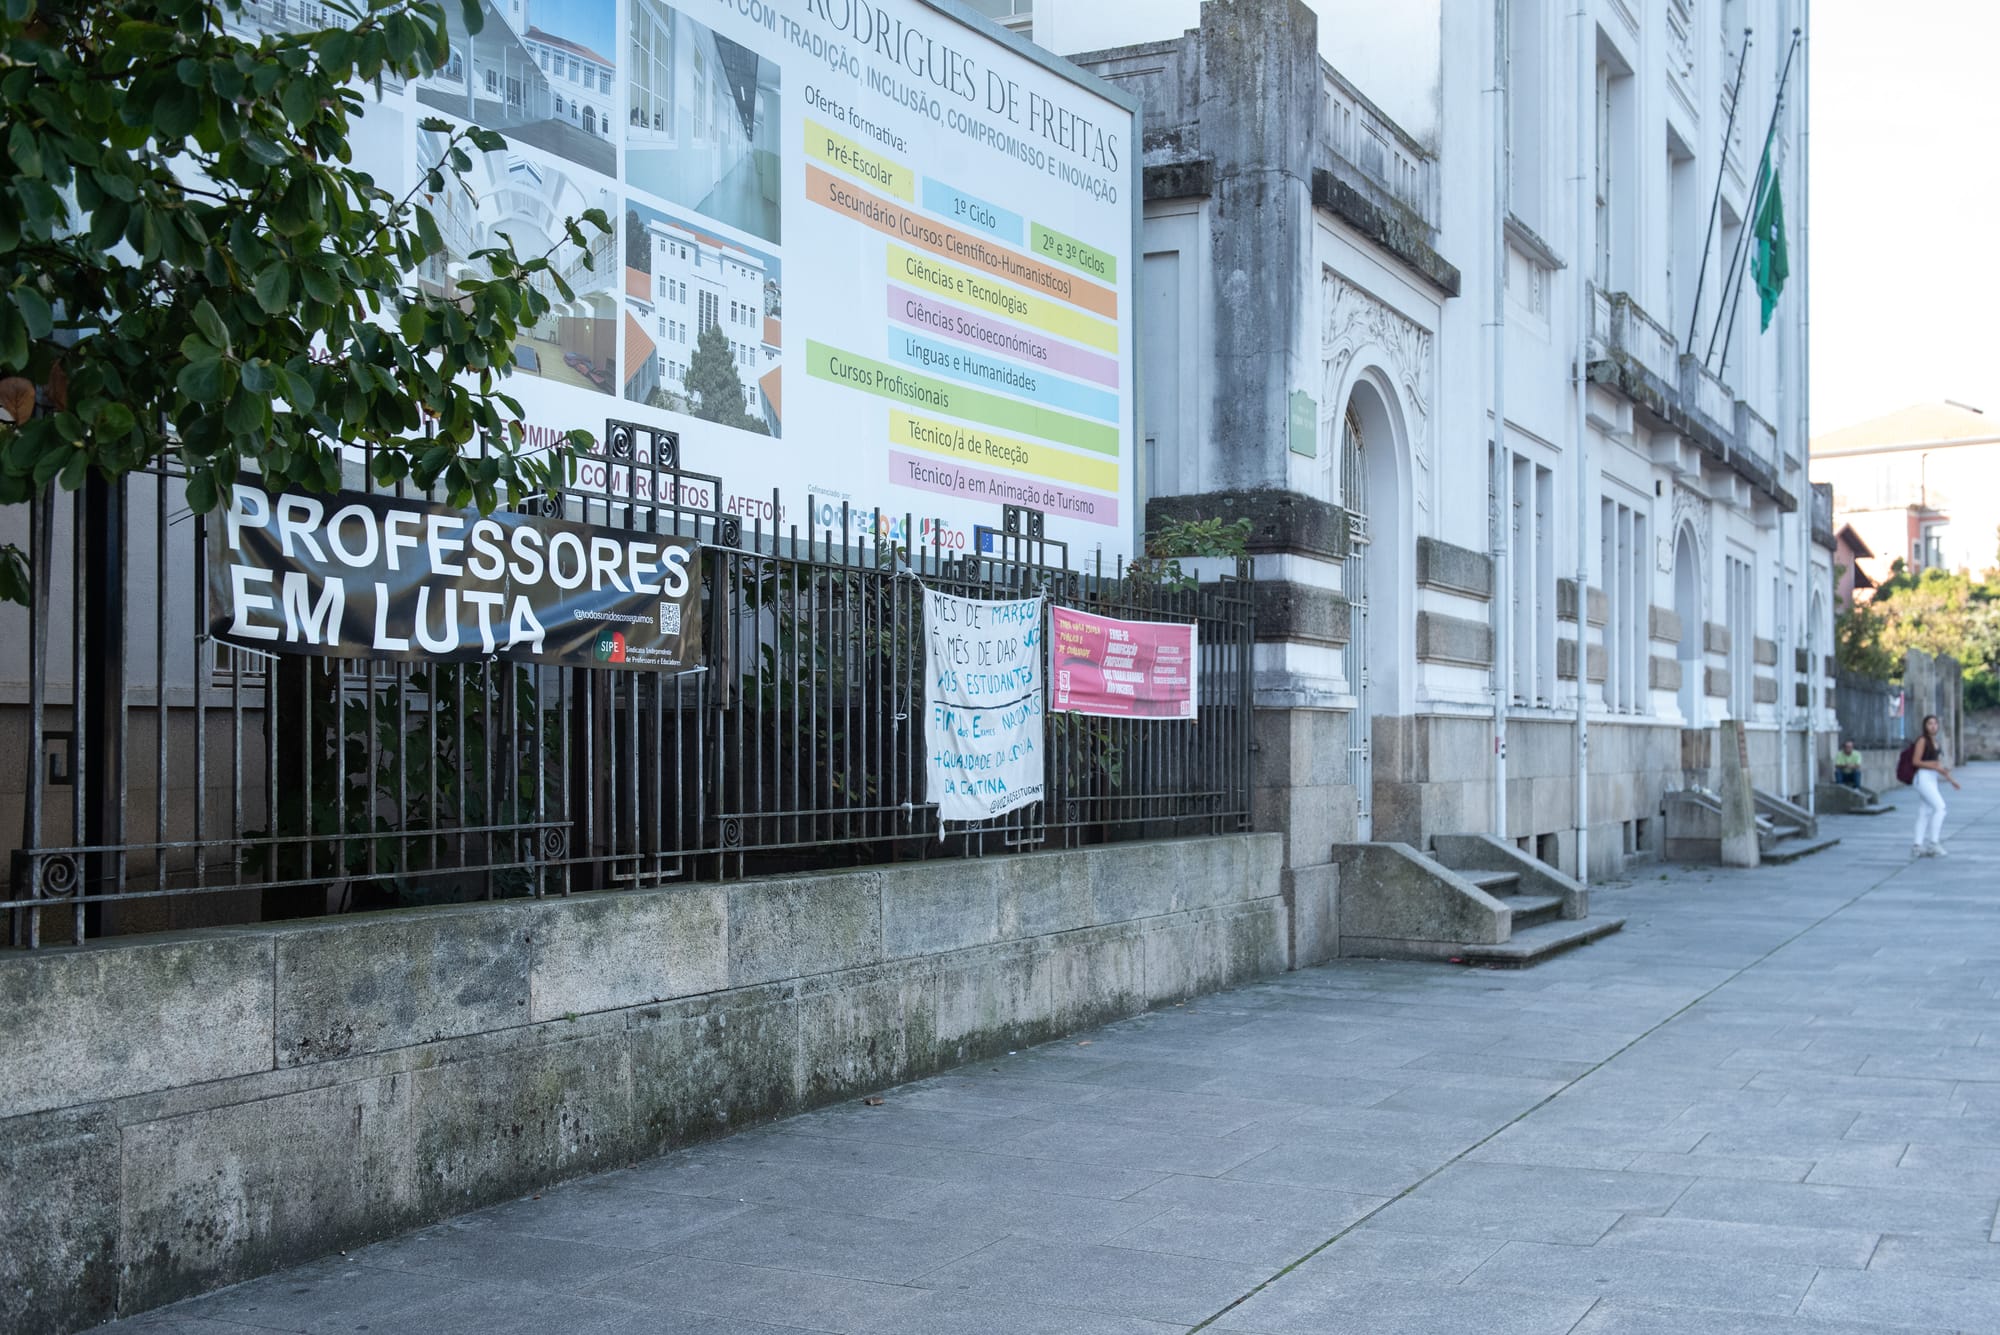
<point>610,646</point>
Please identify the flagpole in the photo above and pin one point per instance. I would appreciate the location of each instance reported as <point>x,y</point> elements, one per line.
<point>1756,200</point>
<point>1715,200</point>
<point>1725,313</point>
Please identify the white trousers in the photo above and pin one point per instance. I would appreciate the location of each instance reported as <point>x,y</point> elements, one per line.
<point>1930,807</point>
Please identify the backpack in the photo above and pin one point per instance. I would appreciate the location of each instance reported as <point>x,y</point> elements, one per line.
<point>1906,764</point>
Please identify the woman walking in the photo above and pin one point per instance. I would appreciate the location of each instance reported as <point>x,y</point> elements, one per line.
<point>1928,757</point>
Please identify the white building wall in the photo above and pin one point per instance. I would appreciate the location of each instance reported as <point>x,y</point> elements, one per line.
<point>1663,125</point>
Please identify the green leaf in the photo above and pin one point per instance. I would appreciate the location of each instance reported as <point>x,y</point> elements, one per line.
<point>474,14</point>
<point>274,288</point>
<point>15,585</point>
<point>175,112</point>
<point>201,497</point>
<point>21,147</point>
<point>13,340</point>
<point>201,381</point>
<point>35,313</point>
<point>294,389</point>
<point>210,325</point>
<point>74,470</point>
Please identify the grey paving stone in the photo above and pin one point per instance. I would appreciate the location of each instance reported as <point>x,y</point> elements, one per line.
<point>1379,1130</point>
<point>1500,1063</point>
<point>1849,1248</point>
<point>1770,1287</point>
<point>1269,1243</point>
<point>479,1309</point>
<point>662,1321</point>
<point>751,1181</point>
<point>1877,1209</point>
<point>1333,1168</point>
<point>333,1294</point>
<point>1617,1316</point>
<point>1312,1091</point>
<point>1211,1112</point>
<point>1925,1128</point>
<point>168,1321</point>
<point>1297,1304</point>
<point>1100,1279</point>
<point>938,1313</point>
<point>1327,1210</point>
<point>1757,1168</point>
<point>1938,1256</point>
<point>1019,1211</point>
<point>1905,1298</point>
<point>1125,1147</point>
<point>1498,1220</point>
<point>1410,1257</point>
<point>856,1246</point>
<point>1532,1146</point>
<point>1576,1188</point>
<point>686,1284</point>
<point>902,1122</point>
<point>612,1211</point>
<point>1060,1178</point>
<point>474,1248</point>
<point>786,1143</point>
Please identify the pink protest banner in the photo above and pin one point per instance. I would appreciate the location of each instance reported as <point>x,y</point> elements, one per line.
<point>1121,669</point>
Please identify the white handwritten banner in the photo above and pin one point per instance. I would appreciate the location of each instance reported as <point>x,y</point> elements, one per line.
<point>982,705</point>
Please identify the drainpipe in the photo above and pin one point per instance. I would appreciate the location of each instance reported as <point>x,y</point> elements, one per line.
<point>1502,463</point>
<point>1802,118</point>
<point>1585,120</point>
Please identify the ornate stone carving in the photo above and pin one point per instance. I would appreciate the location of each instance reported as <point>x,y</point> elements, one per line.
<point>1689,507</point>
<point>1351,320</point>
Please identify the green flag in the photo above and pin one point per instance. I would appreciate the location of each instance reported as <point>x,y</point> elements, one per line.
<point>1773,263</point>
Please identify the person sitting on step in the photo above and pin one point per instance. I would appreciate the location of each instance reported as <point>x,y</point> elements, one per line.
<point>1847,766</point>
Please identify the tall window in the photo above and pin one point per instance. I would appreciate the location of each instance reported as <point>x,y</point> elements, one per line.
<point>1683,248</point>
<point>1526,132</point>
<point>1622,566</point>
<point>1613,189</point>
<point>711,311</point>
<point>1532,591</point>
<point>1741,602</point>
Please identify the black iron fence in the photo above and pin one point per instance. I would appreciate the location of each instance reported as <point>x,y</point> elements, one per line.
<point>162,779</point>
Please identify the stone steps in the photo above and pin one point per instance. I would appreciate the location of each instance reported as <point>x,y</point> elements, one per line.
<point>1532,945</point>
<point>1528,909</point>
<point>1789,849</point>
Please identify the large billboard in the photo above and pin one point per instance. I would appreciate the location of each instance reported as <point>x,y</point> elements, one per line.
<point>866,252</point>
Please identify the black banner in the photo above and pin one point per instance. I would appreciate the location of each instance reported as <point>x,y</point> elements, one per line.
<point>361,576</point>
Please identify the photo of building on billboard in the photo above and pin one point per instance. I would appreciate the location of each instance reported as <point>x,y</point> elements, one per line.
<point>703,322</point>
<point>512,196</point>
<point>281,18</point>
<point>536,72</point>
<point>702,120</point>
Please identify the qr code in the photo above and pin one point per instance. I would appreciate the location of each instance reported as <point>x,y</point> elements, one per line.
<point>670,617</point>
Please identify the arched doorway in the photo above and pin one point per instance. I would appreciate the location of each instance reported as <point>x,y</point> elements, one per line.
<point>1354,498</point>
<point>1687,606</point>
<point>1378,569</point>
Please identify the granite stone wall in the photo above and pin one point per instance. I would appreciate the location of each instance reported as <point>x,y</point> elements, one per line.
<point>183,1112</point>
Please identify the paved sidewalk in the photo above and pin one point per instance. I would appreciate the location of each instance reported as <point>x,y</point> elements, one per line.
<point>1771,1104</point>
